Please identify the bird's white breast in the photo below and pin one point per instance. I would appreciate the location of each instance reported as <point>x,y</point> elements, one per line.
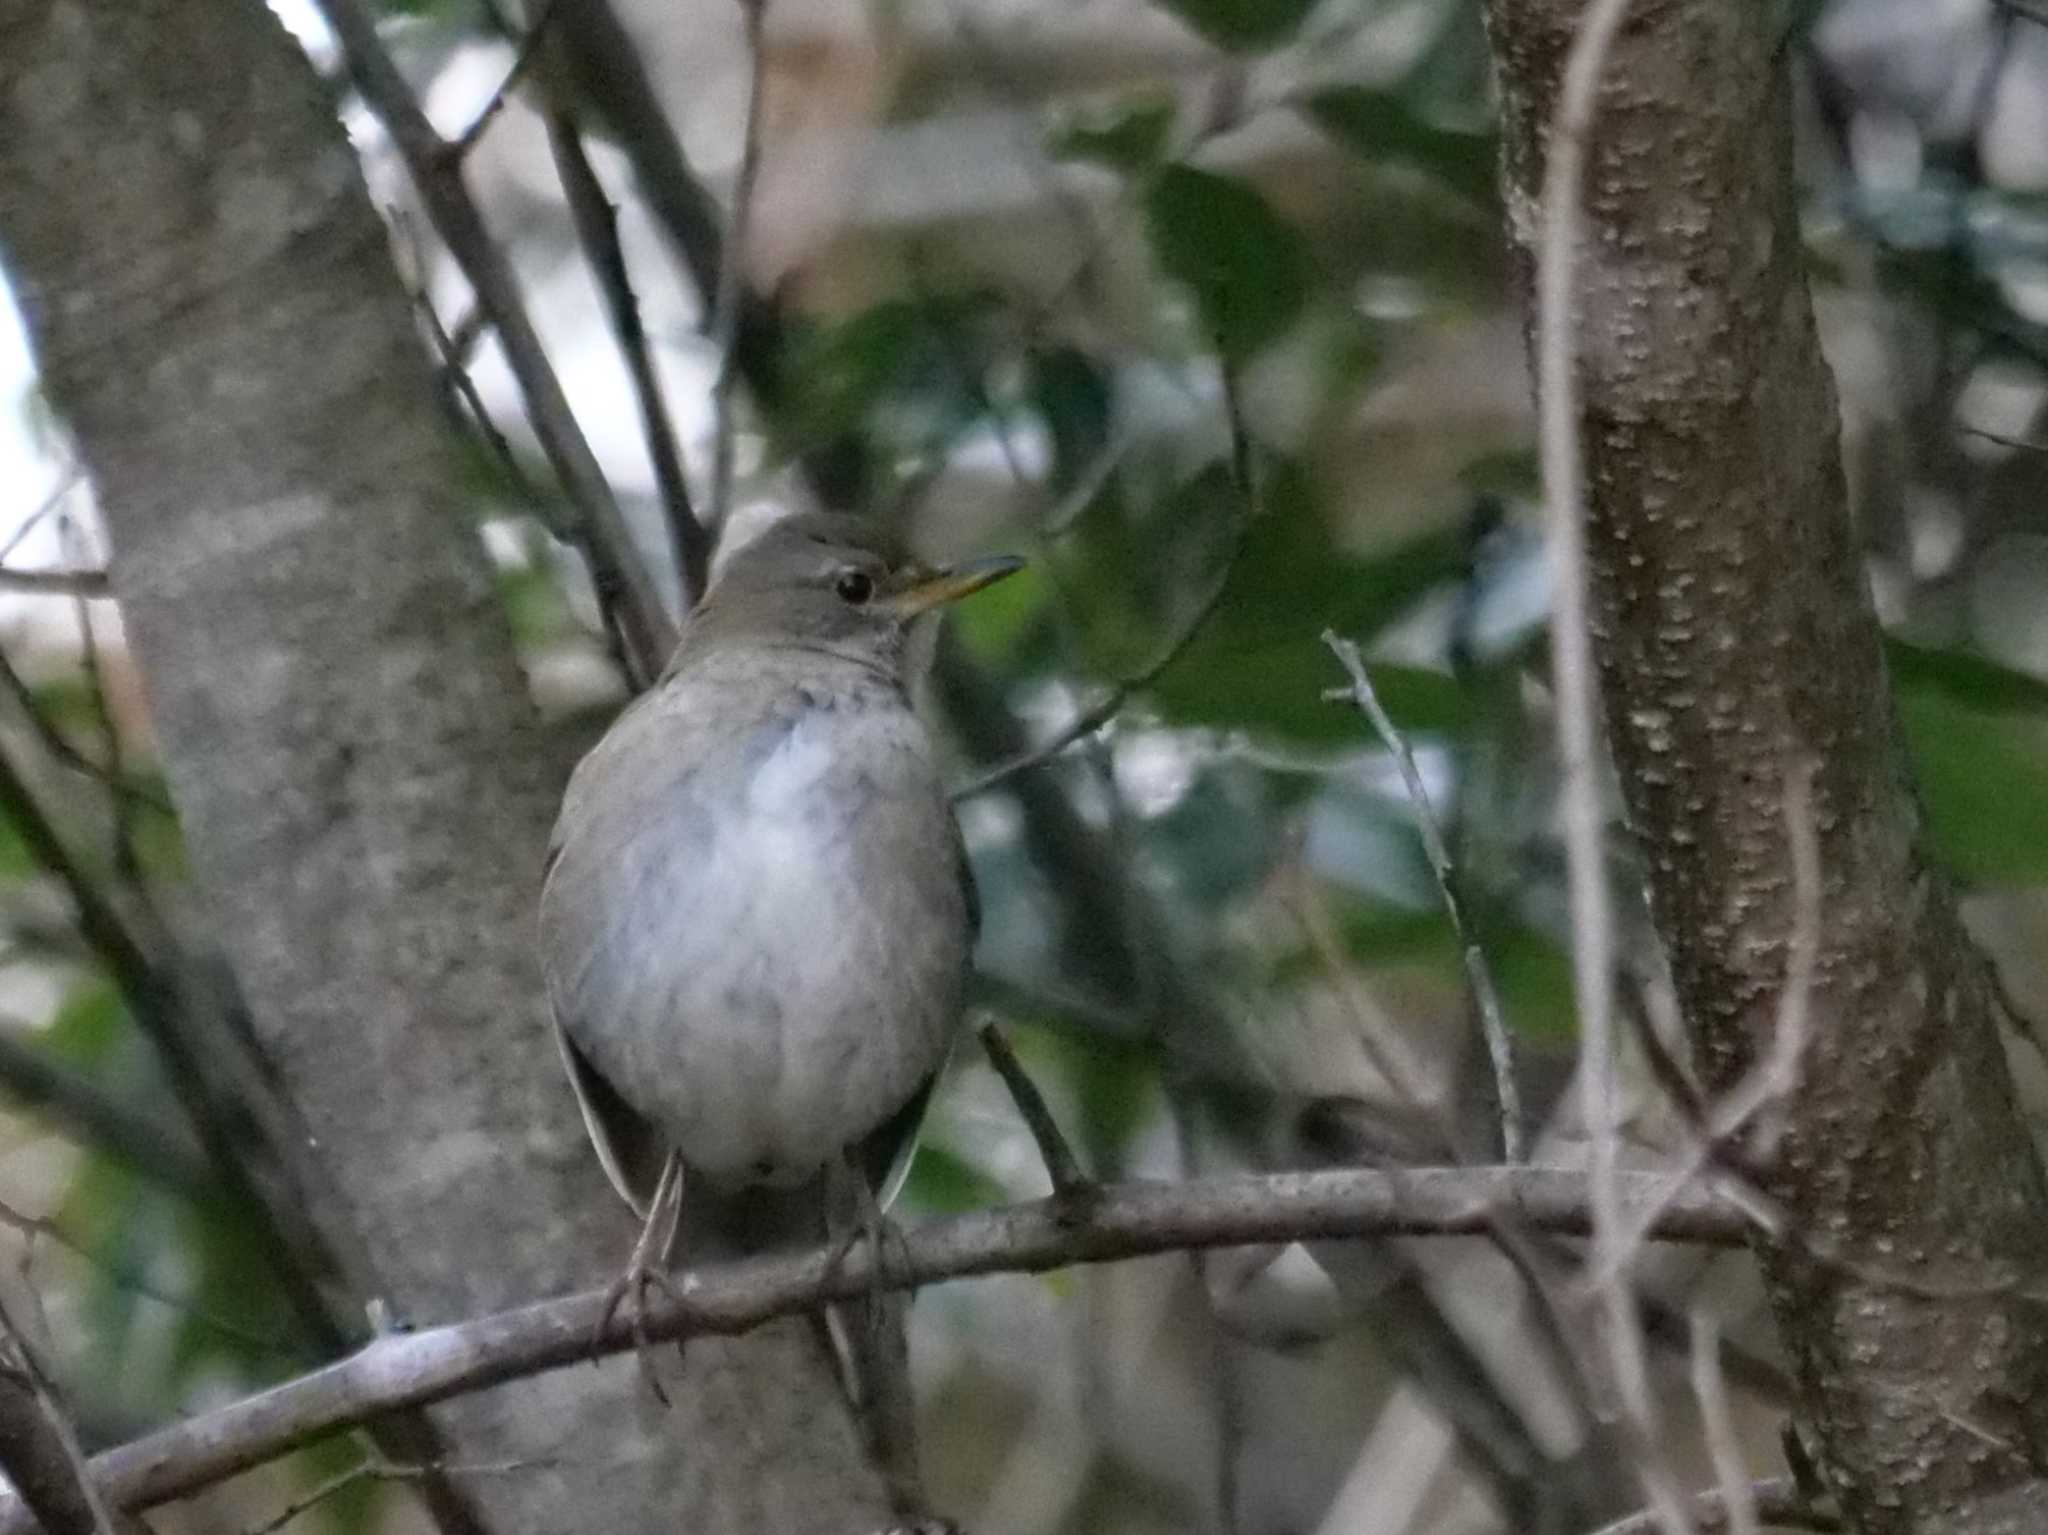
<point>769,941</point>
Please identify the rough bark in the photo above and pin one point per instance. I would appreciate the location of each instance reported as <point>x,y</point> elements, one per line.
<point>1736,642</point>
<point>347,735</point>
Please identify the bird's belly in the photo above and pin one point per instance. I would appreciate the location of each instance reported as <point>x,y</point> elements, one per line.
<point>791,983</point>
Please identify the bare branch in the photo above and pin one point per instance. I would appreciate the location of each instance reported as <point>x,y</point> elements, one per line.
<point>127,857</point>
<point>38,1446</point>
<point>1710,1391</point>
<point>2006,439</point>
<point>56,583</point>
<point>67,482</point>
<point>1571,648</point>
<point>375,1468</point>
<point>1106,708</point>
<point>729,295</point>
<point>1770,1082</point>
<point>129,1279</point>
<point>76,1108</point>
<point>522,62</point>
<point>1478,977</point>
<point>1778,1501</point>
<point>622,583</point>
<point>1125,1220</point>
<point>66,755</point>
<point>1061,1165</point>
<point>453,349</point>
<point>597,226</point>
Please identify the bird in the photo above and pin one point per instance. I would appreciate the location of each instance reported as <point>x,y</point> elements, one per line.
<point>757,914</point>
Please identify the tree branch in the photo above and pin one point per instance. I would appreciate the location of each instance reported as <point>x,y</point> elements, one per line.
<point>1778,1501</point>
<point>1125,1220</point>
<point>527,50</point>
<point>1243,474</point>
<point>622,582</point>
<point>56,583</point>
<point>1737,639</point>
<point>1493,1030</point>
<point>160,1149</point>
<point>726,301</point>
<point>38,1446</point>
<point>597,226</point>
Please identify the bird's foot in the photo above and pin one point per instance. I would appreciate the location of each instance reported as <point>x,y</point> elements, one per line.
<point>629,1292</point>
<point>883,1238</point>
<point>646,1270</point>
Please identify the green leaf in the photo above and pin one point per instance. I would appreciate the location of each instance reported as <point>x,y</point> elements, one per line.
<point>1534,978</point>
<point>1972,681</point>
<point>1984,778</point>
<point>946,1183</point>
<point>1249,273</point>
<point>898,370</point>
<point>1004,620</point>
<point>1259,662</point>
<point>1073,396</point>
<point>1385,128</point>
<point>1243,25</point>
<point>88,1022</point>
<point>1505,472</point>
<point>1129,136</point>
<point>1978,732</point>
<point>1211,844</point>
<point>1132,568</point>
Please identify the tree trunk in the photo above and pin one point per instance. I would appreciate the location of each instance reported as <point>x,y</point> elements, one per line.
<point>1737,644</point>
<point>348,737</point>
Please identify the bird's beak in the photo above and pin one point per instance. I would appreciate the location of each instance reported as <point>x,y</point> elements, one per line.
<point>927,589</point>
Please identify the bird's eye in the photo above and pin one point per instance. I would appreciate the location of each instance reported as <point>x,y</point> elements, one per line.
<point>856,586</point>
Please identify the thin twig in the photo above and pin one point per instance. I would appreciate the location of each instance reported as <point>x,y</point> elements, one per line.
<point>1124,1220</point>
<point>1578,728</point>
<point>2005,439</point>
<point>1776,1499</point>
<point>127,859</point>
<point>56,583</point>
<point>1061,1165</point>
<point>1063,514</point>
<point>622,584</point>
<point>67,482</point>
<point>725,309</point>
<point>1383,1043</point>
<point>522,62</point>
<point>1774,1078</point>
<point>1478,976</point>
<point>375,1468</point>
<point>75,1107</point>
<point>165,1012</point>
<point>452,350</point>
<point>39,1448</point>
<point>133,1282</point>
<point>66,755</point>
<point>1710,1391</point>
<point>597,226</point>
<point>1106,708</point>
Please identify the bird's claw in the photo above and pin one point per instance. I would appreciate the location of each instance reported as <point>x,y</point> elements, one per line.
<point>634,1282</point>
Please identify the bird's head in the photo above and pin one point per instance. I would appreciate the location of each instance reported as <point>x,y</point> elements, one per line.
<point>836,583</point>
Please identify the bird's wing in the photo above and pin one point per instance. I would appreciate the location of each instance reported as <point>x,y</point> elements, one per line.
<point>631,1150</point>
<point>886,1154</point>
<point>969,891</point>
